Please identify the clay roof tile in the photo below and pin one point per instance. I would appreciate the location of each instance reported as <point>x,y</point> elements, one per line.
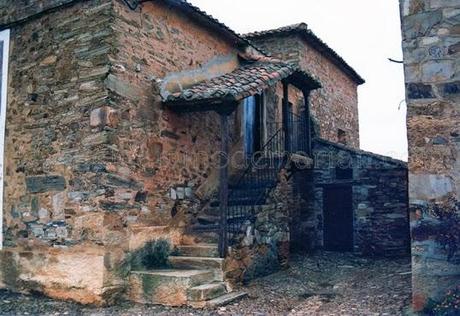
<point>248,79</point>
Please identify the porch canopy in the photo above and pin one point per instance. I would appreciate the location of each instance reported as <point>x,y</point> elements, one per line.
<point>226,91</point>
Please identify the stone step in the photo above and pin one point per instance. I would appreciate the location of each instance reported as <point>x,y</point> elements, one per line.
<point>240,216</point>
<point>254,185</point>
<point>244,192</point>
<point>212,211</point>
<point>203,263</point>
<point>208,238</point>
<point>210,233</point>
<point>211,228</point>
<point>206,219</point>
<point>205,237</point>
<point>206,292</point>
<point>241,201</point>
<point>199,250</point>
<point>166,287</point>
<point>219,301</point>
<point>200,263</point>
<point>246,209</point>
<point>215,211</point>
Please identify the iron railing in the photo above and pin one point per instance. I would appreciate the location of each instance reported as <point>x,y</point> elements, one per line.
<point>251,190</point>
<point>298,134</point>
<point>260,176</point>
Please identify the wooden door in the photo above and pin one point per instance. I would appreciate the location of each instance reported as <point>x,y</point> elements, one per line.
<point>338,218</point>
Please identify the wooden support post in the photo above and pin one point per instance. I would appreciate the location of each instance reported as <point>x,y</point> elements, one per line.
<point>287,136</point>
<point>223,184</point>
<point>306,95</point>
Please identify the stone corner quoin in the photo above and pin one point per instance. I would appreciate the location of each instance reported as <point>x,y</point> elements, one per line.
<point>431,47</point>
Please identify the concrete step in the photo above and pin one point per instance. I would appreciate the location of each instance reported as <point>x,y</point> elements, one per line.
<point>219,301</point>
<point>206,292</point>
<point>166,287</point>
<point>199,250</point>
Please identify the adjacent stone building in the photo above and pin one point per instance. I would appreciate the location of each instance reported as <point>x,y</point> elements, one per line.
<point>431,46</point>
<point>151,153</point>
<point>357,201</point>
<point>335,105</point>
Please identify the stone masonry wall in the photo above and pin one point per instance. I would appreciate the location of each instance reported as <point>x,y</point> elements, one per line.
<point>57,77</point>
<point>379,197</point>
<point>95,167</point>
<point>171,155</point>
<point>11,12</point>
<point>263,247</point>
<point>335,105</point>
<point>54,160</point>
<point>431,46</point>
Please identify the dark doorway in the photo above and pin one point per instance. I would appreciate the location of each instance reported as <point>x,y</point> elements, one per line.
<point>259,124</point>
<point>338,218</point>
<point>253,125</point>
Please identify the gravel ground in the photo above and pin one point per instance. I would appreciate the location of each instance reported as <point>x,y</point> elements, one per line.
<point>321,284</point>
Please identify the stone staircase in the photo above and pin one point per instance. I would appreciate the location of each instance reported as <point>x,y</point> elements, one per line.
<point>195,279</point>
<point>246,196</point>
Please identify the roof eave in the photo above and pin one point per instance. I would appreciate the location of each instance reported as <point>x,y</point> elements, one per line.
<point>198,104</point>
<point>320,45</point>
<point>202,17</point>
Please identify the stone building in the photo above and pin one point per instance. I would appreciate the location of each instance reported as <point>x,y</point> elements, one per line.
<point>148,129</point>
<point>431,46</point>
<point>335,106</point>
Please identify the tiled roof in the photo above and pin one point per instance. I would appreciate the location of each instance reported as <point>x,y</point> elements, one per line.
<point>303,30</point>
<point>249,79</point>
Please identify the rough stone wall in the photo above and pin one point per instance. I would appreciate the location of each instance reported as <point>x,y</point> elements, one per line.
<point>379,197</point>
<point>171,155</point>
<point>93,161</point>
<point>55,171</point>
<point>11,11</point>
<point>95,166</point>
<point>431,47</point>
<point>264,246</point>
<point>335,105</point>
<point>52,154</point>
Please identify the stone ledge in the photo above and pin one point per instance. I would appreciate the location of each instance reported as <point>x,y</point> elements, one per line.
<point>78,273</point>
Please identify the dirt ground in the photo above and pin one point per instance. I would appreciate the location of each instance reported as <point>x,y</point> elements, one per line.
<point>324,283</point>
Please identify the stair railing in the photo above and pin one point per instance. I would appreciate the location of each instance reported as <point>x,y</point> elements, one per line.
<point>252,188</point>
<point>298,134</point>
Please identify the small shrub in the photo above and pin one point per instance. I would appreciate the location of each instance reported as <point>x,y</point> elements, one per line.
<point>154,255</point>
<point>446,230</point>
<point>449,306</point>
